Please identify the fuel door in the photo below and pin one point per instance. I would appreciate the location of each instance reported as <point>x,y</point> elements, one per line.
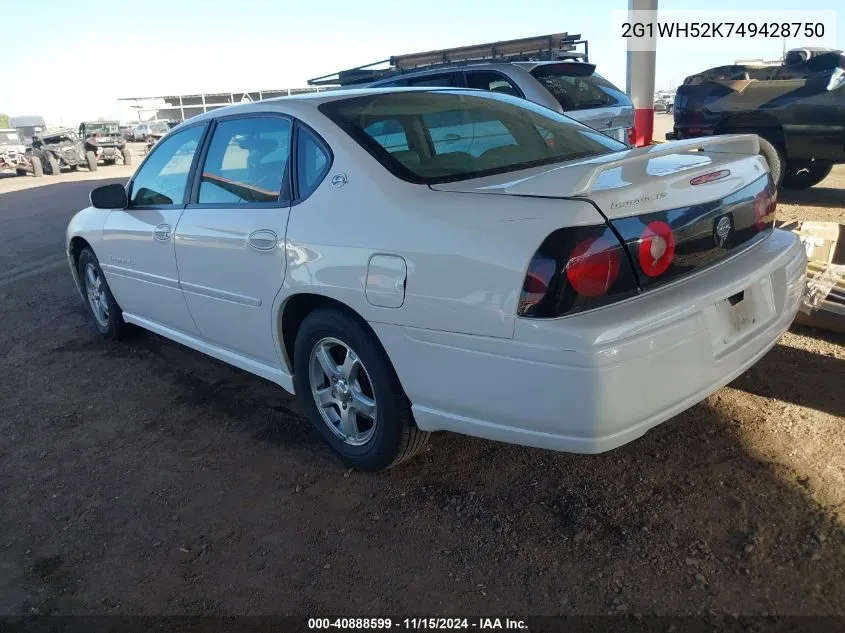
<point>386,276</point>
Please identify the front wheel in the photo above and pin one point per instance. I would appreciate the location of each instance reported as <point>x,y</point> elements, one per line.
<point>351,393</point>
<point>806,175</point>
<point>91,160</point>
<point>127,156</point>
<point>107,316</point>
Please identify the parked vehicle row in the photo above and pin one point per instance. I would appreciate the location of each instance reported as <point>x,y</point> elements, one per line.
<point>376,252</point>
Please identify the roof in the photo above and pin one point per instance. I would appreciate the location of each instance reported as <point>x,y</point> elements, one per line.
<point>312,100</point>
<point>29,120</point>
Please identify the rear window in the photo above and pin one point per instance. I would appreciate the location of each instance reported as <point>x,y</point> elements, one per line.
<point>576,91</point>
<point>442,136</point>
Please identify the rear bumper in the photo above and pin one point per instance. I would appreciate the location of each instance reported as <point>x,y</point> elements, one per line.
<point>590,383</point>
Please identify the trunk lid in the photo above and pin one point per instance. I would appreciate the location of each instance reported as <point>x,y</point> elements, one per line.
<point>677,207</point>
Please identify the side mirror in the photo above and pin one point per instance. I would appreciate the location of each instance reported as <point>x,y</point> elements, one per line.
<point>109,197</point>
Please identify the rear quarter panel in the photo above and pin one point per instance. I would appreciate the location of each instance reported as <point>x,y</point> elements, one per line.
<point>466,254</point>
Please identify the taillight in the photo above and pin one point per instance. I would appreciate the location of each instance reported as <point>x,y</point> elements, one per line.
<point>657,248</point>
<point>576,269</point>
<point>765,205</point>
<point>593,267</point>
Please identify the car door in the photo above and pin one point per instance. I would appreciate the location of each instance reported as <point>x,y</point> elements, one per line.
<point>230,244</point>
<point>137,253</point>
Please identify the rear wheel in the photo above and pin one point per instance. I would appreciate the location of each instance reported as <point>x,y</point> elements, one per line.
<point>37,166</point>
<point>351,393</point>
<point>127,156</point>
<point>91,160</point>
<point>806,175</point>
<point>102,306</point>
<point>53,164</point>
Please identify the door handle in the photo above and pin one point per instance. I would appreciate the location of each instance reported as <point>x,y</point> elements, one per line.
<point>162,232</point>
<point>263,240</point>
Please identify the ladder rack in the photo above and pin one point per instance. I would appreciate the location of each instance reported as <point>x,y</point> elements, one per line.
<point>557,46</point>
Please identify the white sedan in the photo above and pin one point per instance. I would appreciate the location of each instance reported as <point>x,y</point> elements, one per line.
<point>410,261</point>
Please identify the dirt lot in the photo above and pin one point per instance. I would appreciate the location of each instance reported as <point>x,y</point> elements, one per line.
<point>142,477</point>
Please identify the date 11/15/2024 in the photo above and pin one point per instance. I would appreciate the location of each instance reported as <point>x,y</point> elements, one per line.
<point>415,624</point>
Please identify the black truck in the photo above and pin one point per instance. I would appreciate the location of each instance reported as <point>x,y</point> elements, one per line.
<point>797,107</point>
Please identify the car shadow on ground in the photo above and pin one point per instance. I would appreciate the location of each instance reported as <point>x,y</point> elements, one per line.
<point>814,386</point>
<point>818,196</point>
<point>203,490</point>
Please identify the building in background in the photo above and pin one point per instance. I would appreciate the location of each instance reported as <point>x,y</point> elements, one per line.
<point>181,107</point>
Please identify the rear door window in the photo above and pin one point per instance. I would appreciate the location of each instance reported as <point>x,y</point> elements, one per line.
<point>442,80</point>
<point>247,162</point>
<point>492,81</point>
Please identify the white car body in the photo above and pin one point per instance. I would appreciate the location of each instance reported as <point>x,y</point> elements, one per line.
<point>436,272</point>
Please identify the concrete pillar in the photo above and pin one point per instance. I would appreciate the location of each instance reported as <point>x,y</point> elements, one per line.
<point>640,79</point>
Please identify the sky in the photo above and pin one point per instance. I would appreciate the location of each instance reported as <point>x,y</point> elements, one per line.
<point>91,52</point>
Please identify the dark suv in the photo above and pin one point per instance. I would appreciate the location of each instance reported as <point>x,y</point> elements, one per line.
<point>796,107</point>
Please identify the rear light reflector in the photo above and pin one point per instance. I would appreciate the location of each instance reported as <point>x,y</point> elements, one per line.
<point>657,248</point>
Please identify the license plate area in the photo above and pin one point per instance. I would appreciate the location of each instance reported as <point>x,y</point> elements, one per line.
<point>734,318</point>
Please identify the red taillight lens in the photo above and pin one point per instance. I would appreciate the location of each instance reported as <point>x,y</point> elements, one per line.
<point>657,248</point>
<point>765,205</point>
<point>593,267</point>
<point>576,269</point>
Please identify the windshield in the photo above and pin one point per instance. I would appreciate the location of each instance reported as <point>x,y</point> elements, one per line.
<point>442,136</point>
<point>9,138</point>
<point>575,92</point>
<point>106,127</point>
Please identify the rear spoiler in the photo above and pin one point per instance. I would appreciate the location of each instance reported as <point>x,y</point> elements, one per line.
<point>584,175</point>
<point>578,179</point>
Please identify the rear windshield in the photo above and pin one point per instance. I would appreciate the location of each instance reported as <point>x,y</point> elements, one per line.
<point>443,136</point>
<point>575,92</point>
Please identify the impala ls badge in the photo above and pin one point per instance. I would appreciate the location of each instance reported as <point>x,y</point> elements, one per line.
<point>722,229</point>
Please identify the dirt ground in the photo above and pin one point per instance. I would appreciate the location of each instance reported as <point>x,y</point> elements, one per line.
<point>141,477</point>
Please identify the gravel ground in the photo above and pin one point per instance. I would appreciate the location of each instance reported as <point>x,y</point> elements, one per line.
<point>142,477</point>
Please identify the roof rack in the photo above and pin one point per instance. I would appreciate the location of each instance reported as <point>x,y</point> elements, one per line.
<point>540,48</point>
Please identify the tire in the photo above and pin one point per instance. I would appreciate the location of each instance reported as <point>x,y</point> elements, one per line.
<point>37,167</point>
<point>774,157</point>
<point>105,313</point>
<point>127,156</point>
<point>55,170</point>
<point>385,440</point>
<point>806,175</point>
<point>91,160</point>
<point>109,161</point>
